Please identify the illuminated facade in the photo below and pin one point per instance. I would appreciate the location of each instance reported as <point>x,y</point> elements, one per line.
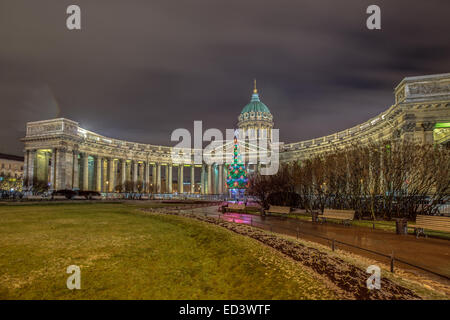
<point>67,156</point>
<point>11,166</point>
<point>421,113</point>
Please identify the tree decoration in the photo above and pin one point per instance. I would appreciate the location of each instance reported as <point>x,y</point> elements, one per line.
<point>237,175</point>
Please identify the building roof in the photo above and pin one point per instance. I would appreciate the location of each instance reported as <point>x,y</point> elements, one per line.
<point>255,104</point>
<point>430,77</point>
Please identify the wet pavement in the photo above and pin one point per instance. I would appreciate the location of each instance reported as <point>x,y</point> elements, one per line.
<point>429,253</point>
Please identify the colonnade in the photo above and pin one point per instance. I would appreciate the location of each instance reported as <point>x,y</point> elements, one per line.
<point>71,169</point>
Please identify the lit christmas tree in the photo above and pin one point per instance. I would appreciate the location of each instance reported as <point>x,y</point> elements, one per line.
<point>237,175</point>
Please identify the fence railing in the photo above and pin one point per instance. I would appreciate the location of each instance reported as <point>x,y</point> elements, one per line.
<point>297,231</point>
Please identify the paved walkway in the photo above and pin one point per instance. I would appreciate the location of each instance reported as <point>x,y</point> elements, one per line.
<point>429,253</point>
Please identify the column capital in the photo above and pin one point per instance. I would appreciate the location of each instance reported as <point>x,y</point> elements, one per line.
<point>428,126</point>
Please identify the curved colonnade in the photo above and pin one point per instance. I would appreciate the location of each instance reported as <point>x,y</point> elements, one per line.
<point>60,152</point>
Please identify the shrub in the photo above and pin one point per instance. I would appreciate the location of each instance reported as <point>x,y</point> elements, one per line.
<point>66,192</point>
<point>282,198</point>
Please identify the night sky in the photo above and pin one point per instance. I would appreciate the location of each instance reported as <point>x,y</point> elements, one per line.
<point>140,69</point>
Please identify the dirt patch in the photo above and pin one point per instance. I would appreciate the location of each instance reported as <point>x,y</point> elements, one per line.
<point>347,277</point>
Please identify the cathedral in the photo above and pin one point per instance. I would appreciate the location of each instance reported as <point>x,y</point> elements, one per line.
<point>62,154</point>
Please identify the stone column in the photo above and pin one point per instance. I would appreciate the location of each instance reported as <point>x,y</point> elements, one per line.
<point>68,170</point>
<point>428,129</point>
<point>112,175</point>
<point>141,172</point>
<point>216,180</point>
<point>85,171</point>
<point>202,180</point>
<point>208,180</point>
<point>147,177</point>
<point>135,174</point>
<point>154,189</point>
<point>224,185</point>
<point>192,178</point>
<point>32,166</point>
<point>167,179</point>
<point>98,174</point>
<point>53,170</point>
<point>170,178</point>
<point>211,180</point>
<point>220,184</point>
<point>180,178</point>
<point>59,168</point>
<point>76,174</point>
<point>104,175</point>
<point>123,173</point>
<point>25,169</point>
<point>158,178</point>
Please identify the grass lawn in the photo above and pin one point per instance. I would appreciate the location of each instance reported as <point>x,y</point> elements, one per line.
<point>124,254</point>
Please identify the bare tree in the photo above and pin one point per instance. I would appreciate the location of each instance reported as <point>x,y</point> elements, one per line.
<point>393,178</point>
<point>260,186</point>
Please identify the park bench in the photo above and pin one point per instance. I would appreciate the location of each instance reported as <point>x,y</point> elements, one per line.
<point>234,207</point>
<point>299,211</point>
<point>278,209</point>
<point>344,215</point>
<point>436,223</point>
<point>252,208</point>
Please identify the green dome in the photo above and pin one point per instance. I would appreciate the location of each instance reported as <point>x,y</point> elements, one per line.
<point>255,105</point>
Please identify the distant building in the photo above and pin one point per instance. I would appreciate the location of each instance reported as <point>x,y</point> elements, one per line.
<point>11,166</point>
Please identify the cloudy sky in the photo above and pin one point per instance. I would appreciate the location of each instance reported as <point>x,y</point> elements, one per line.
<point>139,69</point>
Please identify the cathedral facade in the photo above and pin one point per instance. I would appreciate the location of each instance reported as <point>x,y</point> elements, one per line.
<point>66,156</point>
